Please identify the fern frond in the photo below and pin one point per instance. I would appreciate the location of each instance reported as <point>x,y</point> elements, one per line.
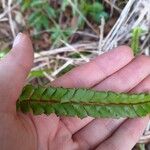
<point>82,102</point>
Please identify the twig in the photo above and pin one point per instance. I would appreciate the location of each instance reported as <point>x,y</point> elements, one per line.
<point>144,43</point>
<point>3,4</point>
<point>87,34</point>
<point>61,68</point>
<point>73,49</point>
<point>3,19</point>
<point>39,66</point>
<point>117,26</point>
<point>101,35</point>
<point>113,6</point>
<point>48,76</point>
<point>78,47</point>
<point>10,19</point>
<point>6,11</point>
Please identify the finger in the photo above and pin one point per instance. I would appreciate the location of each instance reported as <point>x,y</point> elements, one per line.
<point>128,77</point>
<point>74,123</point>
<point>14,69</point>
<point>131,130</point>
<point>95,132</point>
<point>93,136</point>
<point>90,74</point>
<point>143,86</point>
<point>126,136</point>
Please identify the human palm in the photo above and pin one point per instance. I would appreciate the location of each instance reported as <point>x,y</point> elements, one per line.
<point>116,70</point>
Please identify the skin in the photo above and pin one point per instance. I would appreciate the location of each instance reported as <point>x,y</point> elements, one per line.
<point>117,70</point>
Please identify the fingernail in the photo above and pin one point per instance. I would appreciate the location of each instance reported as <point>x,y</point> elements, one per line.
<point>17,39</point>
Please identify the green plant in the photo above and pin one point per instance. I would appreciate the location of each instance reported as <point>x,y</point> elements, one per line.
<point>4,52</point>
<point>41,16</point>
<point>39,73</point>
<point>135,41</point>
<point>42,13</point>
<point>141,146</point>
<point>82,102</point>
<point>95,11</point>
<point>45,17</point>
<point>60,34</point>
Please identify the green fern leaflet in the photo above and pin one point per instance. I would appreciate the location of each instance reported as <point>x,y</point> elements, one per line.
<point>82,102</point>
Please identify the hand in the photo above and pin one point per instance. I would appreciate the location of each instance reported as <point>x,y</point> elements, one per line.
<point>116,70</point>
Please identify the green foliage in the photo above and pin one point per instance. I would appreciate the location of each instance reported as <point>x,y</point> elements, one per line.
<point>39,73</point>
<point>41,15</point>
<point>82,102</point>
<point>60,34</point>
<point>141,146</point>
<point>36,73</point>
<point>135,42</point>
<point>3,53</point>
<point>95,11</point>
<point>45,17</point>
<point>65,3</point>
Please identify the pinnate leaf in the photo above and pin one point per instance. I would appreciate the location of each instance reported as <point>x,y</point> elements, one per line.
<point>82,102</point>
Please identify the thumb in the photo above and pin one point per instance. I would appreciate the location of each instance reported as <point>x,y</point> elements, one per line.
<point>14,69</point>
